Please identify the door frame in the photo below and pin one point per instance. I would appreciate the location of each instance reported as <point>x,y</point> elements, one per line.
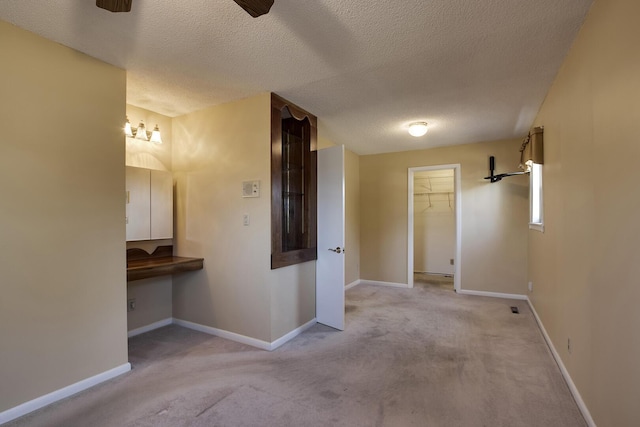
<point>458,215</point>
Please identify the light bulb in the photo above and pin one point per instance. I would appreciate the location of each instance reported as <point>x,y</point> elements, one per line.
<point>155,135</point>
<point>141,133</point>
<point>127,129</point>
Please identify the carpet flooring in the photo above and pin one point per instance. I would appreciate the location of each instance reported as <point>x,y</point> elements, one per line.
<point>408,357</point>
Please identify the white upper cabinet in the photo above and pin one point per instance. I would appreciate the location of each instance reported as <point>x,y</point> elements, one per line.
<point>149,201</point>
<point>138,199</point>
<point>161,205</point>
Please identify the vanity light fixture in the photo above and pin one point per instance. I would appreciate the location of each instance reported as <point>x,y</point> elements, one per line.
<point>141,132</point>
<point>127,129</point>
<point>418,128</point>
<point>155,135</point>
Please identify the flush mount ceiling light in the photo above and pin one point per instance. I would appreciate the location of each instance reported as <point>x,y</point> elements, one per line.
<point>141,132</point>
<point>418,128</point>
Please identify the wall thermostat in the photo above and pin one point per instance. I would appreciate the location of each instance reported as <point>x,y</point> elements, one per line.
<point>251,189</point>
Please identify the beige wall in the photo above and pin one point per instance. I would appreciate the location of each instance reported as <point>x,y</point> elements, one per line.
<point>585,266</point>
<point>352,216</point>
<point>323,141</point>
<point>154,301</point>
<point>214,150</point>
<point>153,296</point>
<point>494,216</point>
<point>62,231</point>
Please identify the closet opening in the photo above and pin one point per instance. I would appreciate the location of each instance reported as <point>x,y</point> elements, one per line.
<point>434,226</point>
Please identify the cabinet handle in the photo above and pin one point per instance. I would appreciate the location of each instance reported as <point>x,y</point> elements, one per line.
<point>128,197</point>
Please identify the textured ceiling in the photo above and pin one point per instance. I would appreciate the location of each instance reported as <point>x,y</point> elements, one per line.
<point>475,70</point>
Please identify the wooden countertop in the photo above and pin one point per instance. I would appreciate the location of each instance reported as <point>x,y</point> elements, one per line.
<point>142,265</point>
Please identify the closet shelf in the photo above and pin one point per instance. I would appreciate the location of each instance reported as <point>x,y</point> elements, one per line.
<point>431,193</point>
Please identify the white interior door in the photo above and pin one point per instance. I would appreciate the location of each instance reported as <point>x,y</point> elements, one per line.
<point>331,224</point>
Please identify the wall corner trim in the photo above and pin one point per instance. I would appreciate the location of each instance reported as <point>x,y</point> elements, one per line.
<point>352,284</point>
<point>492,294</point>
<point>63,393</point>
<point>289,336</point>
<point>378,283</point>
<point>243,339</point>
<point>565,374</point>
<point>150,327</point>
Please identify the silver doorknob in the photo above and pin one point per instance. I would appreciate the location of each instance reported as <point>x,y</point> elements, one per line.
<point>337,250</point>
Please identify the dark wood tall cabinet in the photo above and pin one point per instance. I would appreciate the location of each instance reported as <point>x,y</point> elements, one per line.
<point>293,183</point>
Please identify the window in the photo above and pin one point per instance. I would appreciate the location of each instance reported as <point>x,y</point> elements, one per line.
<point>536,218</point>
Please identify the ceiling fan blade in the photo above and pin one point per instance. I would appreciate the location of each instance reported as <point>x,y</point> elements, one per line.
<point>115,5</point>
<point>255,8</point>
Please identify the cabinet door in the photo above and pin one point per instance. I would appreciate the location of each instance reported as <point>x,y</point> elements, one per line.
<point>138,204</point>
<point>161,205</point>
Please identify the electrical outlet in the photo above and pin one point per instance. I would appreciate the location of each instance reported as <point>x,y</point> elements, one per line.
<point>245,219</point>
<point>131,304</point>
<point>530,286</point>
<point>569,345</point>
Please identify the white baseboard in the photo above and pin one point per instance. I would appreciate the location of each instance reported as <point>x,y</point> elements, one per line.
<point>283,339</point>
<point>352,284</point>
<point>572,387</point>
<point>378,283</point>
<point>492,294</point>
<point>63,393</point>
<point>47,399</point>
<point>150,327</point>
<point>264,345</point>
<point>223,334</point>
